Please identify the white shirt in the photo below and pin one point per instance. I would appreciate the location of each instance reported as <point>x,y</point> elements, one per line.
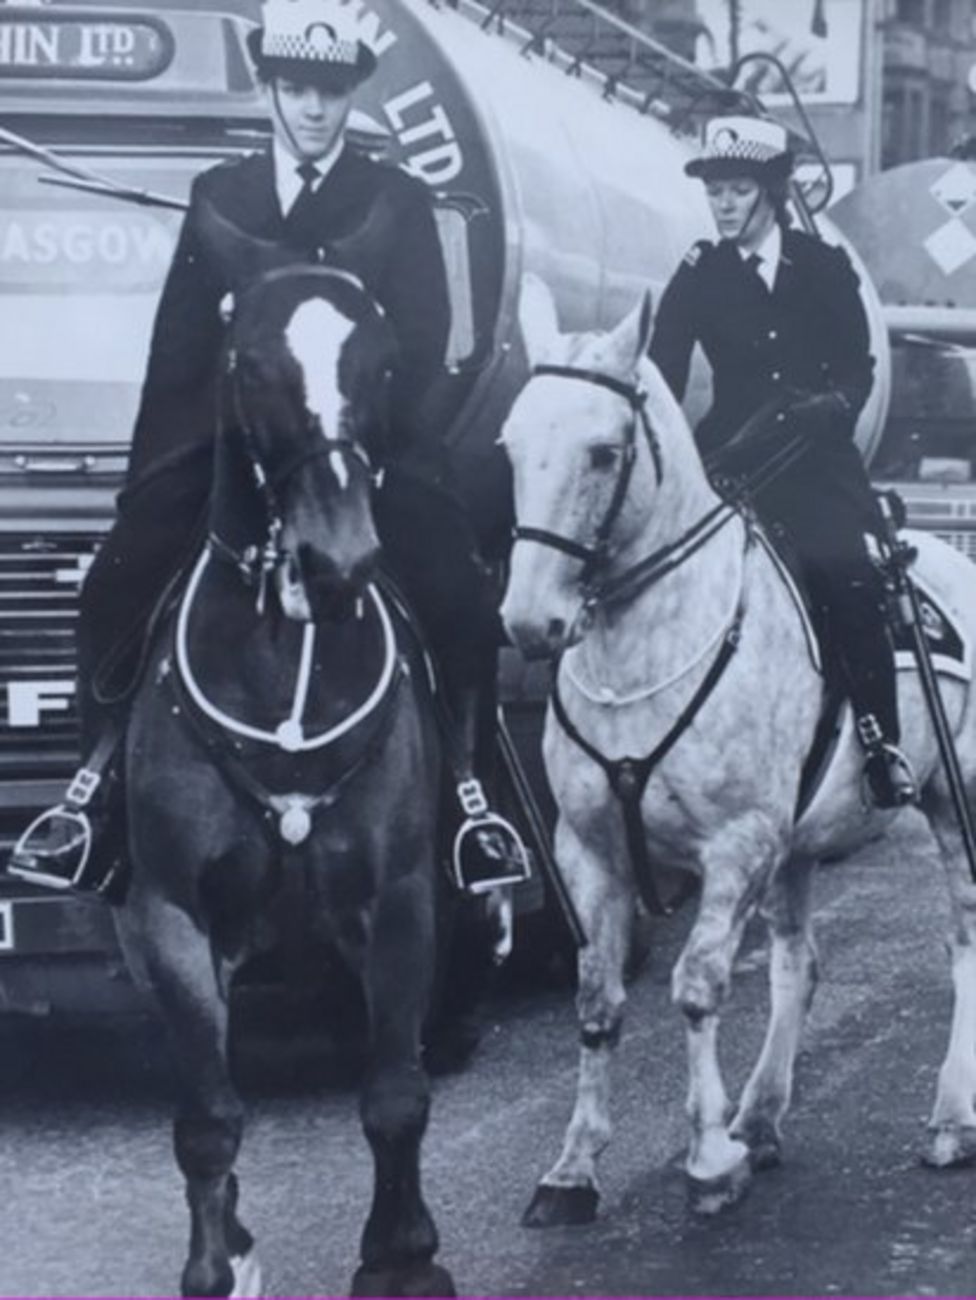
<point>288,183</point>
<point>769,253</point>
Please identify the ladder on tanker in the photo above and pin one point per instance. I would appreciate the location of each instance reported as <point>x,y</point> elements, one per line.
<point>624,63</point>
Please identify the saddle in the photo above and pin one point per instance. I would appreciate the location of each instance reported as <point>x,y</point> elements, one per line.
<point>948,645</point>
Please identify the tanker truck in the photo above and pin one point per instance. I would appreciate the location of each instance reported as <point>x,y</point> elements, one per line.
<point>915,228</point>
<point>107,112</point>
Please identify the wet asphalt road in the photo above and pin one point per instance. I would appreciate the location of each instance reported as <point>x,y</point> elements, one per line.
<point>91,1203</point>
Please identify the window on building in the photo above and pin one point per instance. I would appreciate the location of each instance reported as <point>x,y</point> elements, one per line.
<point>910,11</point>
<point>905,129</point>
<point>939,142</point>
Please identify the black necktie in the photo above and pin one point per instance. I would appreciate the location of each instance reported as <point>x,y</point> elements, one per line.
<point>752,264</point>
<point>300,210</point>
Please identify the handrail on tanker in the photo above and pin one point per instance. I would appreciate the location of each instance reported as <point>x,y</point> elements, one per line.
<point>646,74</point>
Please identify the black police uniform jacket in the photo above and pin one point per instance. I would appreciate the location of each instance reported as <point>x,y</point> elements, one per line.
<point>808,335</point>
<point>368,218</point>
<point>376,222</point>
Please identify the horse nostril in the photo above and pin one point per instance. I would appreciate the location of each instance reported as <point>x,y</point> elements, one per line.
<point>364,569</point>
<point>556,630</point>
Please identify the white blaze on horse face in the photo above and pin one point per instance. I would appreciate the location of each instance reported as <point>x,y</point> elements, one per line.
<point>316,335</point>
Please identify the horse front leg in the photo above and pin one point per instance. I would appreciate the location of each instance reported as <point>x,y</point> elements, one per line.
<point>176,958</point>
<point>735,866</point>
<point>792,981</point>
<point>400,1239</point>
<point>953,1121</point>
<point>569,1192</point>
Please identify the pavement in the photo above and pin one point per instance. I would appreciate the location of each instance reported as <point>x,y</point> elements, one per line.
<point>92,1202</point>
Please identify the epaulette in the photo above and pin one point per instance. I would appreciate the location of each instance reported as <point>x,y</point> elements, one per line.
<point>694,254</point>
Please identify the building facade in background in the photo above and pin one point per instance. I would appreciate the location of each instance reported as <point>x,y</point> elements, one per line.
<point>885,81</point>
<point>929,57</point>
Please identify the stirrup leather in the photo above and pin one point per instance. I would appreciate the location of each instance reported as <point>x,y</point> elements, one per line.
<point>488,851</point>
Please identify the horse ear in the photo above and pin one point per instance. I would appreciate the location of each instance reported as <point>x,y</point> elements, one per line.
<point>240,256</point>
<point>538,320</point>
<point>646,324</point>
<point>631,338</point>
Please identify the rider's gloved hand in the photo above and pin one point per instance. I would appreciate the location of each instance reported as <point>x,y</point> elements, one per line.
<point>819,415</point>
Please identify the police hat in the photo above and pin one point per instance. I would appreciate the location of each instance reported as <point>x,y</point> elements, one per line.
<point>743,146</point>
<point>313,40</point>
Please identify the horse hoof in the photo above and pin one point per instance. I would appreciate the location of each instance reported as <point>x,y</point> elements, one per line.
<point>557,1207</point>
<point>247,1274</point>
<point>763,1141</point>
<point>710,1196</point>
<point>423,1280</point>
<point>951,1145</point>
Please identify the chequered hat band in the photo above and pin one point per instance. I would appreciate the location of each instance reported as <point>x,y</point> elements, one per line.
<point>313,46</point>
<point>740,151</point>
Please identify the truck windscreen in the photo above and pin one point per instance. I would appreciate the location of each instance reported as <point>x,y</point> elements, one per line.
<point>80,277</point>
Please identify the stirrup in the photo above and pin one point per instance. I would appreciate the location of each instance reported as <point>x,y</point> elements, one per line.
<point>488,851</point>
<point>55,849</point>
<point>887,778</point>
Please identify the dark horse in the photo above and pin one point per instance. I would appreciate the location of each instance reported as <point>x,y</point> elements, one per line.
<point>284,726</point>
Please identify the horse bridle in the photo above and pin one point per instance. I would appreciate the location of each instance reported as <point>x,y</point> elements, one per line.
<point>595,555</point>
<point>255,562</point>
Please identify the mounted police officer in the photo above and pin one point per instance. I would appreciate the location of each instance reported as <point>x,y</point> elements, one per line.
<point>779,317</point>
<point>313,193</point>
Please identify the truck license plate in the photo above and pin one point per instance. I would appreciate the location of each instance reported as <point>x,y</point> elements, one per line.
<point>6,927</point>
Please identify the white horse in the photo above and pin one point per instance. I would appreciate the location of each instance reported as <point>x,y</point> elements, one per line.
<point>606,474</point>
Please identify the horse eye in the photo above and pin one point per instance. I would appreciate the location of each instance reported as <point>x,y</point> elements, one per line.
<point>604,457</point>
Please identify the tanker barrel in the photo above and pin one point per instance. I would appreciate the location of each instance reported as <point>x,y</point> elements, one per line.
<point>534,171</point>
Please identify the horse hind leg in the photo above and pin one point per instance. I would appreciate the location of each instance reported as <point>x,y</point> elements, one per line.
<point>792,980</point>
<point>178,961</point>
<point>400,1239</point>
<point>953,1122</point>
<point>569,1193</point>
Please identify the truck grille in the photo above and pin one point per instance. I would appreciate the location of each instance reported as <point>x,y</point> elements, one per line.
<point>963,539</point>
<point>40,577</point>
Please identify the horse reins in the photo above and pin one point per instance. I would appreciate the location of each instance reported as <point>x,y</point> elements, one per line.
<point>595,554</point>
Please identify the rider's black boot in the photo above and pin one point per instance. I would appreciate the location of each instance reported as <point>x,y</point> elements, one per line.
<point>857,611</point>
<point>487,850</point>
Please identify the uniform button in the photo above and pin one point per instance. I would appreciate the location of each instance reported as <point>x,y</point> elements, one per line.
<point>772,334</point>
<point>780,417</point>
<point>777,375</point>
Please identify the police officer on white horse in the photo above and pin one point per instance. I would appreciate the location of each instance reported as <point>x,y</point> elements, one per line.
<point>314,194</point>
<point>778,315</point>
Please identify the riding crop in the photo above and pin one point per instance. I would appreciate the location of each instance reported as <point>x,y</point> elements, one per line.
<point>898,557</point>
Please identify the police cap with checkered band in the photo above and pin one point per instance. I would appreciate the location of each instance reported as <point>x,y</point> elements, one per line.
<point>311,40</point>
<point>743,146</point>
